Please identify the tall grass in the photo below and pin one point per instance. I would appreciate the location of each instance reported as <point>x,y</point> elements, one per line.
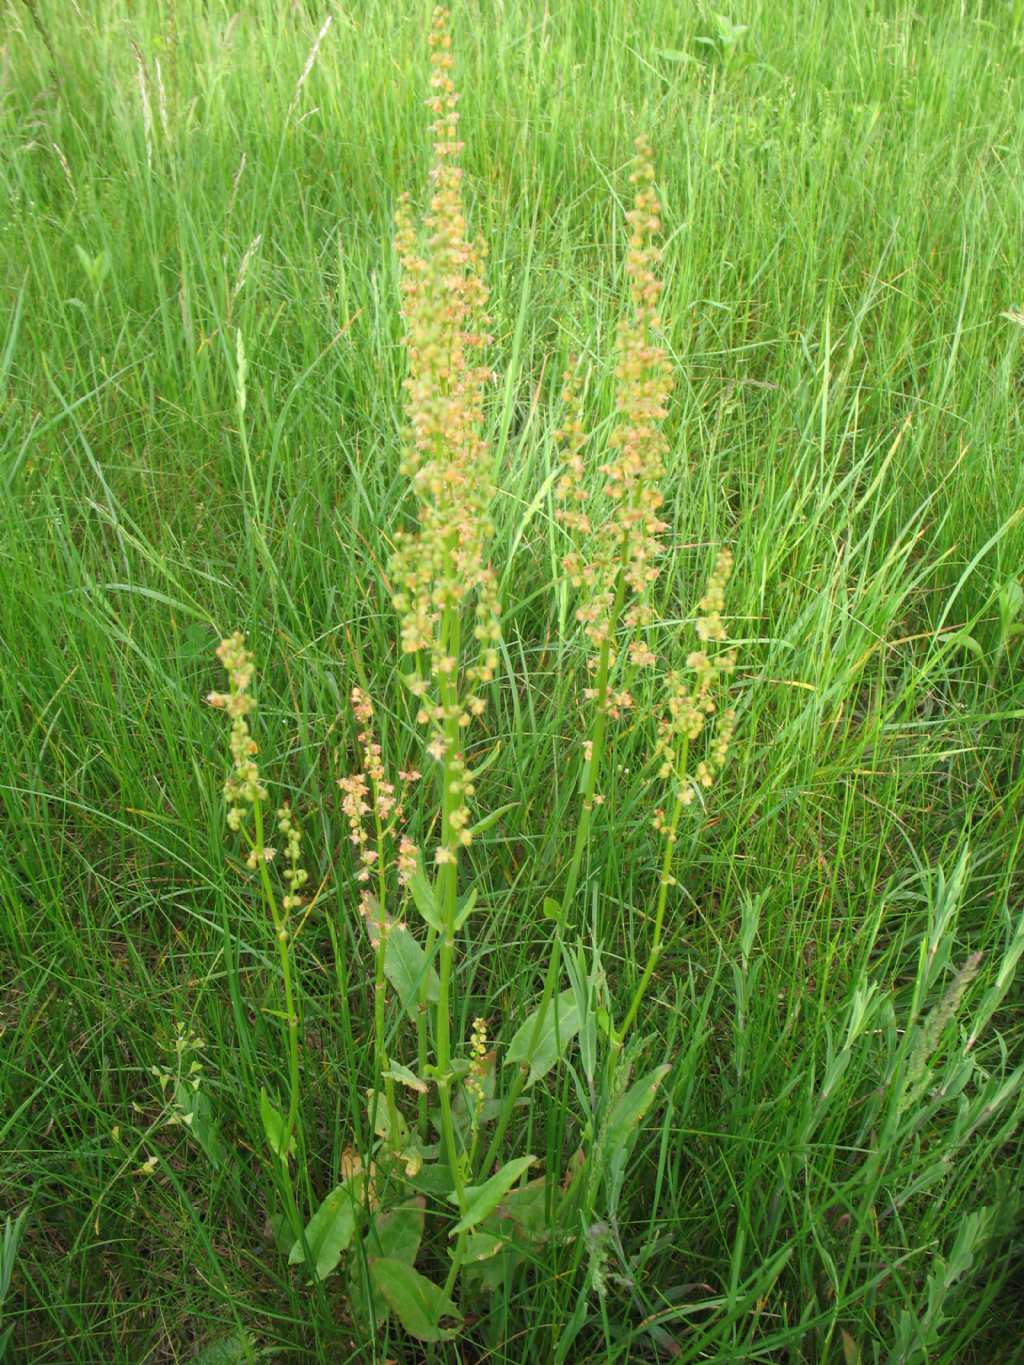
<point>832,1168</point>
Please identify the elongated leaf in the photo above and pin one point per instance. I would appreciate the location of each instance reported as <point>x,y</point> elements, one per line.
<point>630,1108</point>
<point>273,1126</point>
<point>406,967</point>
<point>394,1235</point>
<point>418,1303</point>
<point>405,963</point>
<point>425,900</point>
<point>397,1072</point>
<point>480,1200</point>
<point>558,1028</point>
<point>330,1230</point>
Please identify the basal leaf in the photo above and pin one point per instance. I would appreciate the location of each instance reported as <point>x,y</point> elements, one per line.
<point>417,1302</point>
<point>394,1235</point>
<point>330,1230</point>
<point>483,1245</point>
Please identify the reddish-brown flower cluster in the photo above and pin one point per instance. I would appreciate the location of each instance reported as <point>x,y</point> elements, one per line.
<point>443,566</point>
<point>691,703</point>
<point>374,807</point>
<point>627,541</point>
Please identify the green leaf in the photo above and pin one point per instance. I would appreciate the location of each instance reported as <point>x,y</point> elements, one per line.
<point>526,1208</point>
<point>559,1027</point>
<point>629,1109</point>
<point>397,1072</point>
<point>225,1350</point>
<point>397,1233</point>
<point>483,1245</point>
<point>417,1302</point>
<point>492,818</point>
<point>425,900</point>
<point>552,909</point>
<point>378,1113</point>
<point>280,1229</point>
<point>969,642</point>
<point>197,1114</point>
<point>465,909</point>
<point>406,967</point>
<point>330,1230</point>
<point>405,963</point>
<point>480,1200</point>
<point>394,1235</point>
<point>273,1126</point>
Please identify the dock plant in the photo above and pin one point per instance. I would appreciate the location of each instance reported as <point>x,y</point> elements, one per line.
<point>440,1107</point>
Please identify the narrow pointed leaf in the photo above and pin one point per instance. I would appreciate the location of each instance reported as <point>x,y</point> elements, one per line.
<point>273,1126</point>
<point>425,900</point>
<point>480,1200</point>
<point>629,1109</point>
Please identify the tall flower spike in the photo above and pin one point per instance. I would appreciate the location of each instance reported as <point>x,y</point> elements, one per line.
<point>443,565</point>
<point>628,540</point>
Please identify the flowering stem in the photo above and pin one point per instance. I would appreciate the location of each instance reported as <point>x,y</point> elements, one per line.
<point>280,922</point>
<point>379,988</point>
<point>591,772</point>
<point>450,801</point>
<point>619,1034</point>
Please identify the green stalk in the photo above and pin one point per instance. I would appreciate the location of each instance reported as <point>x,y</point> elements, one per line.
<point>591,772</point>
<point>659,913</point>
<point>280,922</point>
<point>449,886</point>
<point>379,991</point>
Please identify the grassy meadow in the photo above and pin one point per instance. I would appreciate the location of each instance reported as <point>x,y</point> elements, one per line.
<point>827,1167</point>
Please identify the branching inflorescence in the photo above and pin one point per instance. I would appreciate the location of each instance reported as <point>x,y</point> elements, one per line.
<point>445,595</point>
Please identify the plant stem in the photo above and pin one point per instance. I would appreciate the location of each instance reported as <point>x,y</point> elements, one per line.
<point>659,913</point>
<point>591,772</point>
<point>280,922</point>
<point>449,885</point>
<point>379,990</point>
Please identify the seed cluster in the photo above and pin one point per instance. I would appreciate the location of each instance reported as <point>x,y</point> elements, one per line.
<point>243,786</point>
<point>374,806</point>
<point>691,704</point>
<point>443,565</point>
<point>627,541</point>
